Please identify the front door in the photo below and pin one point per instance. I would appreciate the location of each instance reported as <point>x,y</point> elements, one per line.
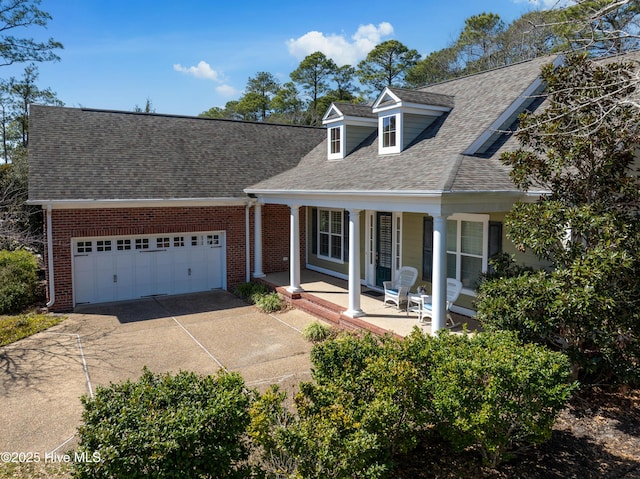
<point>384,250</point>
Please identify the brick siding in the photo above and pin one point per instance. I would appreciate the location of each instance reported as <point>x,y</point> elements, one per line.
<point>67,224</point>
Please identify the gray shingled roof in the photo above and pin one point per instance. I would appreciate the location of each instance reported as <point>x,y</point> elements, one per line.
<point>423,97</point>
<point>350,109</point>
<point>77,154</point>
<point>434,161</point>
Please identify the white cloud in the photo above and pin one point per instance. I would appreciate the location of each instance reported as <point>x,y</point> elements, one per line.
<point>202,70</point>
<point>228,91</point>
<point>337,47</point>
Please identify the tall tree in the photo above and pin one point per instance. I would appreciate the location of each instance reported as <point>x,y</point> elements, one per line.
<point>287,105</point>
<point>600,26</point>
<point>581,148</point>
<point>530,36</point>
<point>437,66</point>
<point>148,107</point>
<point>16,14</point>
<point>387,65</point>
<point>23,92</point>
<point>262,87</point>
<point>314,75</point>
<point>480,43</point>
<point>343,79</point>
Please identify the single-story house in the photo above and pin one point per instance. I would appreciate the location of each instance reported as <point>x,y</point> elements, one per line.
<point>140,204</point>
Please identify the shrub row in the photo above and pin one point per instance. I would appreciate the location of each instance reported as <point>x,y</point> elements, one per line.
<point>370,401</point>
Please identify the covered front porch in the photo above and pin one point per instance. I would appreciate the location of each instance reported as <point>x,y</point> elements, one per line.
<point>327,297</point>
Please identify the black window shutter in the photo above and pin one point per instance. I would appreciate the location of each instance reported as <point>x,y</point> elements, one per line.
<point>314,230</point>
<point>427,249</point>
<point>345,235</point>
<point>495,240</point>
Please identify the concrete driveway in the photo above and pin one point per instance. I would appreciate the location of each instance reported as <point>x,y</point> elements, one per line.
<point>43,377</point>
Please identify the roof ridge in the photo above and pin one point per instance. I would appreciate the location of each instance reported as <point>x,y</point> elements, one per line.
<point>173,115</point>
<point>491,70</point>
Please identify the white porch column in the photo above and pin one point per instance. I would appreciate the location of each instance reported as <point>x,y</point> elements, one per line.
<point>439,281</point>
<point>354,265</point>
<point>257,241</point>
<point>294,255</point>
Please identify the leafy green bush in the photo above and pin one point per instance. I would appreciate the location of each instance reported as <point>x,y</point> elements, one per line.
<point>317,332</point>
<point>18,280</point>
<point>166,426</point>
<point>373,400</point>
<point>492,392</point>
<point>587,311</point>
<point>269,303</point>
<point>366,404</point>
<point>251,291</point>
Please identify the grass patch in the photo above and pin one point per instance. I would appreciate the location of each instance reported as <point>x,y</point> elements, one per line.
<point>317,332</point>
<point>14,328</point>
<point>28,470</point>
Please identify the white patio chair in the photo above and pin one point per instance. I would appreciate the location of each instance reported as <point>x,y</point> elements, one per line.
<point>396,291</point>
<point>425,307</point>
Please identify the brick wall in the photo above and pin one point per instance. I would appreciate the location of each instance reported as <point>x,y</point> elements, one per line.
<point>67,224</point>
<point>275,238</point>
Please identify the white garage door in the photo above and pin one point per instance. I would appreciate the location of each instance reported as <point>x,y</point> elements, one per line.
<point>117,268</point>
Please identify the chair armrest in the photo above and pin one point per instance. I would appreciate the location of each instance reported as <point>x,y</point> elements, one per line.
<point>427,299</point>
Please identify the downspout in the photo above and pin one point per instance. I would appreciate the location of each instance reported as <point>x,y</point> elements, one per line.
<point>52,289</point>
<point>247,241</point>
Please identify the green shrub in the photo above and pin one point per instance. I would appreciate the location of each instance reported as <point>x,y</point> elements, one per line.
<point>317,332</point>
<point>251,291</point>
<point>365,405</point>
<point>166,426</point>
<point>492,392</point>
<point>18,280</point>
<point>269,303</point>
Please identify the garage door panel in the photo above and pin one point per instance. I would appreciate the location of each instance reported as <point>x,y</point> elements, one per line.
<point>84,285</point>
<point>111,269</point>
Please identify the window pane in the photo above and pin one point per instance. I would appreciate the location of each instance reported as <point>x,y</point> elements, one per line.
<point>336,222</point>
<point>471,237</point>
<point>324,244</point>
<point>323,221</point>
<point>389,131</point>
<point>336,247</point>
<point>452,235</point>
<point>335,140</point>
<point>451,266</point>
<point>471,268</point>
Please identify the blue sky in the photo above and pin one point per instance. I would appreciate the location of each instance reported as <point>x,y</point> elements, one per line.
<point>187,56</point>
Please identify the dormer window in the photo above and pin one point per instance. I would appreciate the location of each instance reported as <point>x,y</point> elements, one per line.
<point>389,137</point>
<point>334,141</point>
<point>389,131</point>
<point>405,114</point>
<point>347,126</point>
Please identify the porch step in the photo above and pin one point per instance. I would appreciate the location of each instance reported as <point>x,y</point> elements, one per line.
<point>328,311</point>
<point>313,305</point>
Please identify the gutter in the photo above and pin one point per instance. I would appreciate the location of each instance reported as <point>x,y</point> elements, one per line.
<point>51,284</point>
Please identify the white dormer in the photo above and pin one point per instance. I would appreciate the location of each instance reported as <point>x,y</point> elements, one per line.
<point>347,126</point>
<point>404,114</point>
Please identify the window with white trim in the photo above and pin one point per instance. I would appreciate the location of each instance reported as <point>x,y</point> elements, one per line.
<point>467,248</point>
<point>330,237</point>
<point>335,141</point>
<point>389,131</point>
